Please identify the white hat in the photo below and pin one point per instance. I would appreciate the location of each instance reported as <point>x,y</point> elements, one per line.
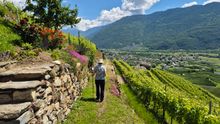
<point>101,61</point>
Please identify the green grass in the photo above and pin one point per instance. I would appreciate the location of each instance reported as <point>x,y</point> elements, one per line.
<point>137,105</point>
<point>117,111</point>
<point>114,110</point>
<point>7,36</point>
<point>83,112</point>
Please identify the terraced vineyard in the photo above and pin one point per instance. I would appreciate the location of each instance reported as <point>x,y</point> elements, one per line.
<point>164,92</point>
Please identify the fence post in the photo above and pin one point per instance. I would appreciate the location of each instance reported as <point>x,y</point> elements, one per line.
<point>210,107</point>
<point>165,88</point>
<point>171,120</point>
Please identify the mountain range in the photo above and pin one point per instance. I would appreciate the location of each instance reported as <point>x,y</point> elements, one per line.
<point>196,27</point>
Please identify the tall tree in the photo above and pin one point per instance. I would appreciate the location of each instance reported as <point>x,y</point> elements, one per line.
<point>51,13</point>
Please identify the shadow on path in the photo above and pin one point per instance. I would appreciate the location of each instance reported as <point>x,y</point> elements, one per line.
<point>88,99</point>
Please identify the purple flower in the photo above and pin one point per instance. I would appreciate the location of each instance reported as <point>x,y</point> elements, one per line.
<point>83,59</point>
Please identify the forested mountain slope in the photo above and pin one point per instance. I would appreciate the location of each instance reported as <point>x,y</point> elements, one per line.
<point>195,27</point>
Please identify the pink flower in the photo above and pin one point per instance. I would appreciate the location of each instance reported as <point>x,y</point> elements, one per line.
<point>83,59</point>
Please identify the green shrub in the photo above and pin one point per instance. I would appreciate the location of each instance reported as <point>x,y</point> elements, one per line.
<point>27,54</point>
<point>31,53</point>
<point>10,6</point>
<point>5,47</point>
<point>56,54</point>
<point>30,33</point>
<point>59,54</point>
<point>3,10</point>
<point>27,46</point>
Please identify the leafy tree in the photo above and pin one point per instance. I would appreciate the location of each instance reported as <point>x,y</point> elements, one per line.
<point>51,13</point>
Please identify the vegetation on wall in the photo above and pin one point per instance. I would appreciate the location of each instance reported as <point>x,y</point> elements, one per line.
<point>23,36</point>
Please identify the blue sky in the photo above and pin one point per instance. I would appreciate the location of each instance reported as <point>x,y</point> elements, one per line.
<point>90,9</point>
<point>94,13</point>
<point>101,12</point>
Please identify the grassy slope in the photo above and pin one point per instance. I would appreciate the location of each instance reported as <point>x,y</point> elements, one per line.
<point>7,35</point>
<point>116,110</point>
<point>82,109</point>
<point>137,105</point>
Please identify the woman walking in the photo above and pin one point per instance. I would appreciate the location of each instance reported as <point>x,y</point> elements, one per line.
<point>100,74</point>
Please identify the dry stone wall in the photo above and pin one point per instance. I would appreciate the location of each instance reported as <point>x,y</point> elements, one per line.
<point>39,93</point>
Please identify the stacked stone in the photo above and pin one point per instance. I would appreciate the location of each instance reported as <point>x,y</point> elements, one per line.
<point>41,93</point>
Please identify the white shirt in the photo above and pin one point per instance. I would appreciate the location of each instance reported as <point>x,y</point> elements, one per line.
<point>100,72</point>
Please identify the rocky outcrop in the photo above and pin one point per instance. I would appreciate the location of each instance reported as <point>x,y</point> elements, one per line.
<point>39,93</point>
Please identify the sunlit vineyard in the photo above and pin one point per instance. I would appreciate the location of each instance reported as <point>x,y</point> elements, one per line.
<point>164,92</point>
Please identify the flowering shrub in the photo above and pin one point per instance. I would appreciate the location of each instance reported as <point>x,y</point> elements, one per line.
<point>82,58</point>
<point>52,38</point>
<point>38,36</point>
<point>28,32</point>
<point>84,47</point>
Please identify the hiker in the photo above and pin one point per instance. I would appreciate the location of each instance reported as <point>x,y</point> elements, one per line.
<point>100,73</point>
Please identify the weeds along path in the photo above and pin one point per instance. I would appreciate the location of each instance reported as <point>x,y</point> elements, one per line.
<point>113,110</point>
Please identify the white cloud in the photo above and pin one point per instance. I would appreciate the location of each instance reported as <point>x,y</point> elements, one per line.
<point>105,17</point>
<point>128,7</point>
<point>210,1</point>
<point>190,4</point>
<point>138,6</point>
<point>18,3</point>
<point>65,1</point>
<point>113,15</point>
<point>86,24</point>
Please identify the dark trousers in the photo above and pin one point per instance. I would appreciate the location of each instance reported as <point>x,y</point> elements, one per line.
<point>100,89</point>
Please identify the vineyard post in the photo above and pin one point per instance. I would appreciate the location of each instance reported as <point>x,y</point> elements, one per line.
<point>210,107</point>
<point>69,39</point>
<point>165,89</point>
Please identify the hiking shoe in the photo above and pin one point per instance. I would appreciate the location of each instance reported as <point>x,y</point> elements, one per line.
<point>97,100</point>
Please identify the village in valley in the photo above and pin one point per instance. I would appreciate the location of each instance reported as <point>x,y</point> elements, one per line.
<point>200,67</point>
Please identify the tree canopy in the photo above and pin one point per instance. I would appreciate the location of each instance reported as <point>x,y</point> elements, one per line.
<point>51,13</point>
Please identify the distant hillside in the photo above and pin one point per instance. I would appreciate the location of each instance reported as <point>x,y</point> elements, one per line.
<point>89,33</point>
<point>196,27</point>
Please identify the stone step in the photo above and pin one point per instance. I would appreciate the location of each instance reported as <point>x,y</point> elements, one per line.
<point>3,64</point>
<point>18,85</point>
<point>34,72</point>
<point>16,92</point>
<point>26,117</point>
<point>13,111</point>
<point>23,119</point>
<point>18,96</point>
